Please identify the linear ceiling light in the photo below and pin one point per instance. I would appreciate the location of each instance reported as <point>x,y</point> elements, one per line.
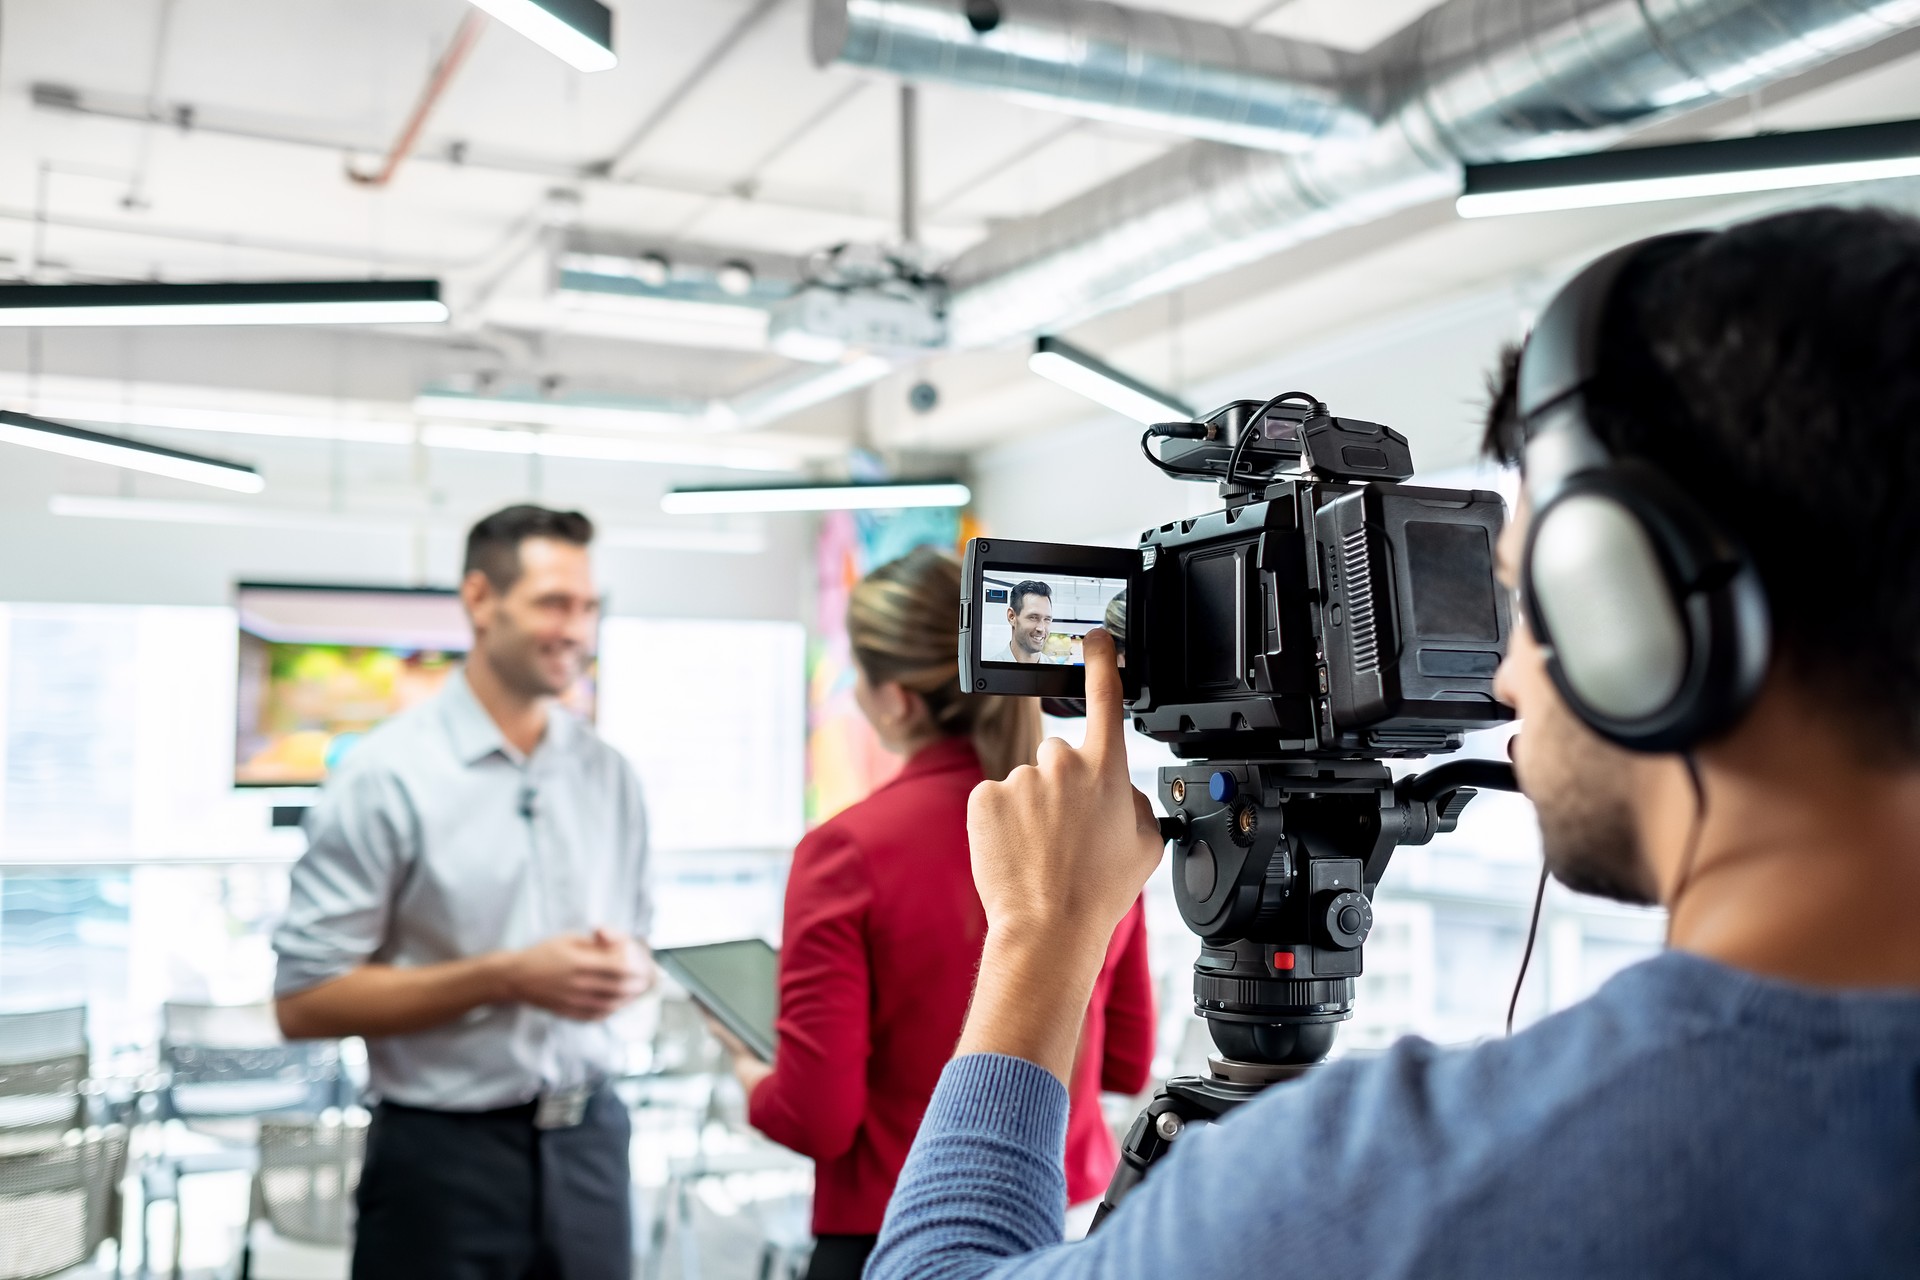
<point>805,390</point>
<point>116,451</point>
<point>273,302</point>
<point>578,32</point>
<point>348,427</point>
<point>1060,361</point>
<point>816,497</point>
<point>613,413</point>
<point>737,453</point>
<point>738,542</point>
<point>1720,167</point>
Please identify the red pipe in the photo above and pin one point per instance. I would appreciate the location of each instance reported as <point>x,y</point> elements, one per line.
<point>463,41</point>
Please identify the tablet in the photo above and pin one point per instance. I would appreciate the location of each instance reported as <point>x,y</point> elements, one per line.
<point>737,982</point>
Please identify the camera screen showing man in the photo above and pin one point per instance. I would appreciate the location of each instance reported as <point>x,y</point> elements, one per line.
<point>1046,617</point>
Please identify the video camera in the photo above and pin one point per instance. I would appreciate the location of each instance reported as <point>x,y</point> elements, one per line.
<point>1337,613</point>
<point>1329,617</point>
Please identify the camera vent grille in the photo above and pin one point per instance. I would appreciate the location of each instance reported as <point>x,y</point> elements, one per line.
<point>1357,571</point>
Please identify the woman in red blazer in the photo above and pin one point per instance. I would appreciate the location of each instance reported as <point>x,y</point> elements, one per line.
<point>883,932</point>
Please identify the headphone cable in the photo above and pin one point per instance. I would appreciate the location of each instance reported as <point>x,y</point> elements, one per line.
<point>1533,931</point>
<point>1692,850</point>
<point>1687,858</point>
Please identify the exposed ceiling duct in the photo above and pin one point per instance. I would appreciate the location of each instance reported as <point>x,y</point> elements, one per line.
<point>1474,80</point>
<point>1110,63</point>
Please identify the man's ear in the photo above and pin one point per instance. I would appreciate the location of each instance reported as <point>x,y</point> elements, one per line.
<point>479,599</point>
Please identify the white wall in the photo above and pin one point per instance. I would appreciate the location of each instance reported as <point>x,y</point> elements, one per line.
<point>44,557</point>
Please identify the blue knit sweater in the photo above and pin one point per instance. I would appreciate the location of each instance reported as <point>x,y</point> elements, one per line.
<point>1688,1120</point>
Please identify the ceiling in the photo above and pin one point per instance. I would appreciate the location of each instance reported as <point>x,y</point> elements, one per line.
<point>715,129</point>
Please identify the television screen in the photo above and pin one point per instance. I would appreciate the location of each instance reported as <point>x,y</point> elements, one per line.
<point>320,666</point>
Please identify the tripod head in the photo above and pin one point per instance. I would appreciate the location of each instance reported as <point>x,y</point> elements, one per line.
<point>1275,863</point>
<point>1274,866</point>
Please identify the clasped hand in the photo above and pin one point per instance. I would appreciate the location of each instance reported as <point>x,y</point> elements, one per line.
<point>586,977</point>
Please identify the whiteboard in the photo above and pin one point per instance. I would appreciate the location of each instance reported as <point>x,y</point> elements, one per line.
<point>713,716</point>
<point>117,727</point>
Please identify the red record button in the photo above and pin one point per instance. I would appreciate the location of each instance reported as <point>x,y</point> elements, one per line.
<point>1282,961</point>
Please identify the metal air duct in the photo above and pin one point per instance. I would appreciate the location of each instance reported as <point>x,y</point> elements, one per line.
<point>1111,63</point>
<point>1473,80</point>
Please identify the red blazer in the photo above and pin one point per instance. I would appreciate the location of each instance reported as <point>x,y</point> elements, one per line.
<point>881,941</point>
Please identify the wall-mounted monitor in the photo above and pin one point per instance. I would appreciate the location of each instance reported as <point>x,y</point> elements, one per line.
<point>321,666</point>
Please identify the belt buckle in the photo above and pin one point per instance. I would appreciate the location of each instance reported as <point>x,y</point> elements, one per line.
<point>562,1108</point>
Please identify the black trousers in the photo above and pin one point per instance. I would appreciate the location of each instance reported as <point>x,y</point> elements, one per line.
<point>840,1257</point>
<point>484,1195</point>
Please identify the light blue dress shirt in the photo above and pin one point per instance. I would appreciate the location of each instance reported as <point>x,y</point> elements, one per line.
<point>437,841</point>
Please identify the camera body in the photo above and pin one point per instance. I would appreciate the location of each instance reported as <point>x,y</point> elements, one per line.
<point>1336,613</point>
<point>1329,617</point>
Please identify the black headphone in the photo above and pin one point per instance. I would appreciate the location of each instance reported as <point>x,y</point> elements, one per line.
<point>1653,618</point>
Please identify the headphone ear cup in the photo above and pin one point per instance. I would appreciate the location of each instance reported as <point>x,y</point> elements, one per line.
<point>1655,624</point>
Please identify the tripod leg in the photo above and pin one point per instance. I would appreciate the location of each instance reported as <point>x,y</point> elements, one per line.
<point>1150,1138</point>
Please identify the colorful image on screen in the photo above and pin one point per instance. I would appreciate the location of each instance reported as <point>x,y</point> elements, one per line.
<point>321,667</point>
<point>1039,616</point>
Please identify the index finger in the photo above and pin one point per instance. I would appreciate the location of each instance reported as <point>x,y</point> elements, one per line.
<point>1106,700</point>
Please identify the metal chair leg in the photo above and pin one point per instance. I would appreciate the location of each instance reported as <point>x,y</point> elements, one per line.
<point>689,1246</point>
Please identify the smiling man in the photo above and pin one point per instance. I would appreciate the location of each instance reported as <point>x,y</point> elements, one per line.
<point>1030,615</point>
<point>473,901</point>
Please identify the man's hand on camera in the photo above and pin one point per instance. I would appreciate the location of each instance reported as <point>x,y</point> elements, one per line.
<point>1060,852</point>
<point>583,977</point>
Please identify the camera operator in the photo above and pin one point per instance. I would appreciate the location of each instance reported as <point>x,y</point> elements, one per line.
<point>1748,1102</point>
<point>883,930</point>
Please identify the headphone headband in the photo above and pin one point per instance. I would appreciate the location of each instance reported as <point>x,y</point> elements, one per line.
<point>1562,354</point>
<point>1653,620</point>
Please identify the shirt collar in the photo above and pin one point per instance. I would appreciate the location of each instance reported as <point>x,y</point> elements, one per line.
<point>471,730</point>
<point>474,734</point>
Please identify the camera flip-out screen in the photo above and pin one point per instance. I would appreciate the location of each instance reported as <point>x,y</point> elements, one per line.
<point>1028,606</point>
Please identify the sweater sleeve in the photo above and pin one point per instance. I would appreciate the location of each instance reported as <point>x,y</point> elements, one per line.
<point>1127,1064</point>
<point>815,1098</point>
<point>1324,1177</point>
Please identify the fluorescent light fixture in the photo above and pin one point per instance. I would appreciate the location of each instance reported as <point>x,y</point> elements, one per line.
<point>232,514</point>
<point>613,413</point>
<point>734,542</point>
<point>757,408</point>
<point>355,429</point>
<point>814,348</point>
<point>116,451</point>
<point>816,497</point>
<point>684,451</point>
<point>1720,167</point>
<point>276,302</point>
<point>578,32</point>
<point>1060,361</point>
<point>641,318</point>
